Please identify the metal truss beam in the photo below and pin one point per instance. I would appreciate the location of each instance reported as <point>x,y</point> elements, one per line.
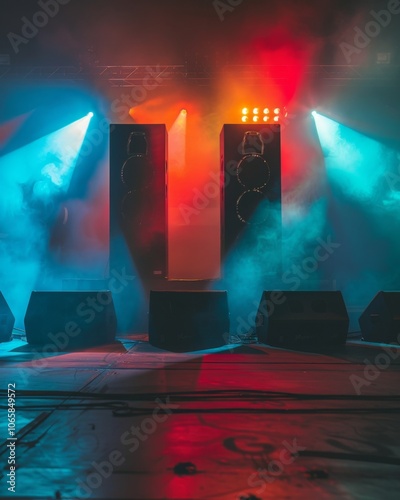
<point>252,75</point>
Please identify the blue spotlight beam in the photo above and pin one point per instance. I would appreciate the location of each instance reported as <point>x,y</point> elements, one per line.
<point>49,160</point>
<point>356,163</point>
<point>364,210</point>
<point>31,179</point>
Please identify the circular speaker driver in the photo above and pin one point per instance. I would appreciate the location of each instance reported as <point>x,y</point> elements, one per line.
<point>133,171</point>
<point>253,172</point>
<point>253,207</point>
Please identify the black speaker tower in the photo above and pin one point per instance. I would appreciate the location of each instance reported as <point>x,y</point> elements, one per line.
<point>251,194</point>
<point>138,218</point>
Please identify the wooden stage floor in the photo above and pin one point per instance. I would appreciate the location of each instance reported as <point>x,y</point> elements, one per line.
<point>129,421</point>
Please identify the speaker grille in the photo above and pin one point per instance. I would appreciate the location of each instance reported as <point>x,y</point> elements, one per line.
<point>65,320</point>
<point>302,319</point>
<point>190,320</point>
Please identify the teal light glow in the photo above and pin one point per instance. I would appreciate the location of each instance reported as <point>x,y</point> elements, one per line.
<point>48,163</point>
<point>363,178</point>
<point>357,164</point>
<point>33,179</point>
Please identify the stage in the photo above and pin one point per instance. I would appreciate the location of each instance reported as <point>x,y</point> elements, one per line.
<point>199,250</point>
<point>241,422</point>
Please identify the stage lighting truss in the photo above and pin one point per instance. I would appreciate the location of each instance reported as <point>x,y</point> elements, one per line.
<point>254,174</point>
<point>264,115</point>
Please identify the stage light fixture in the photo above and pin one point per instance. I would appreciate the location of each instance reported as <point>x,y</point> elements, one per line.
<point>184,112</point>
<point>265,114</point>
<point>90,115</point>
<point>314,113</point>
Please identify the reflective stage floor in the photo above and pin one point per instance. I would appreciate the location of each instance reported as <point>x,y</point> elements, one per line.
<point>248,422</point>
